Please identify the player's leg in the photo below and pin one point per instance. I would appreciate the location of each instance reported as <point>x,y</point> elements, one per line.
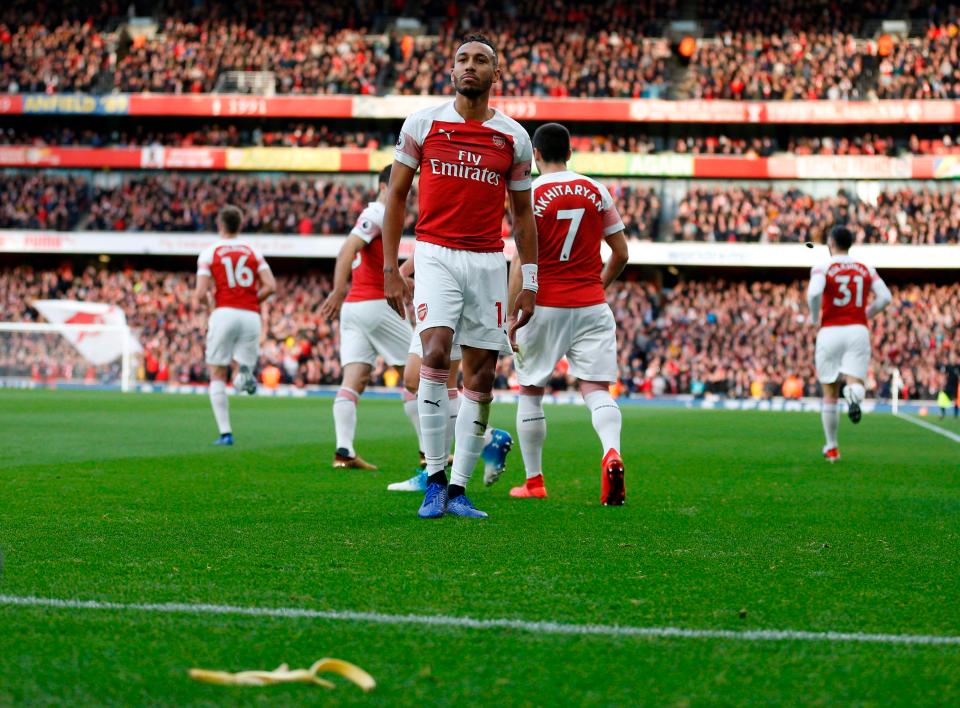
<point>356,376</point>
<point>532,432</point>
<point>220,346</point>
<point>593,360</point>
<point>411,384</point>
<point>482,336</point>
<point>357,358</point>
<point>853,366</point>
<point>220,403</point>
<point>453,399</point>
<point>439,309</point>
<point>433,405</point>
<point>479,369</point>
<point>828,355</point>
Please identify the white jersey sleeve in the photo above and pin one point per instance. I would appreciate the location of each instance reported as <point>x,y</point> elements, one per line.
<point>520,180</point>
<point>205,260</point>
<point>409,148</point>
<point>818,282</point>
<point>612,223</point>
<point>263,265</point>
<point>369,225</point>
<point>881,293</point>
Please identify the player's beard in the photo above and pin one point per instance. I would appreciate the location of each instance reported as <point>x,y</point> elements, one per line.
<point>478,89</point>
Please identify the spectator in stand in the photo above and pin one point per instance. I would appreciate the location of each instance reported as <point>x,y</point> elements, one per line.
<point>768,215</point>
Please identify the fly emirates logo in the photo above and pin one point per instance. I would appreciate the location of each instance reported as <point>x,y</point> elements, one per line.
<point>467,167</point>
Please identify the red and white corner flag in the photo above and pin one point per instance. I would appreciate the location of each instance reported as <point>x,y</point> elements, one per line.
<point>96,347</point>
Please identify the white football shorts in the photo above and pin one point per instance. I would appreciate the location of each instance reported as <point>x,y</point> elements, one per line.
<point>369,328</point>
<point>233,333</point>
<point>842,350</point>
<point>464,291</point>
<point>587,336</point>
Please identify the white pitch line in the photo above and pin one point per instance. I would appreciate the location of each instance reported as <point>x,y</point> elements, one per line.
<point>930,426</point>
<point>601,630</point>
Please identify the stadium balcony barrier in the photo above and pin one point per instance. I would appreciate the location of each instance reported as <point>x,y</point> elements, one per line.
<point>607,164</point>
<point>612,110</point>
<point>678,253</point>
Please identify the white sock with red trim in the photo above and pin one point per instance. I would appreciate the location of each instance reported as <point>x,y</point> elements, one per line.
<point>453,395</point>
<point>413,414</point>
<point>471,426</point>
<point>434,405</point>
<point>830,417</point>
<point>345,418</point>
<point>532,431</point>
<point>220,405</point>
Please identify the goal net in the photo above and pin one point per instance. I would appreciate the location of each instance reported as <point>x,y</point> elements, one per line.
<point>34,354</point>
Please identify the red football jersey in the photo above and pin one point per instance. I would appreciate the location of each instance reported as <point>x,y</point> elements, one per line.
<point>846,287</point>
<point>234,267</point>
<point>367,279</point>
<point>574,215</point>
<point>465,169</point>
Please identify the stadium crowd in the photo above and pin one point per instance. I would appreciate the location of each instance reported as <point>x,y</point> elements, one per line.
<point>769,215</point>
<point>735,339</point>
<point>608,49</point>
<point>170,202</point>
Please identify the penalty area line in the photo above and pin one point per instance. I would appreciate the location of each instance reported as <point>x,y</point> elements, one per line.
<point>929,426</point>
<point>533,627</point>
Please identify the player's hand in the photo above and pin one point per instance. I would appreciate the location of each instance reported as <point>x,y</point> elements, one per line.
<point>396,292</point>
<point>522,312</point>
<point>330,309</point>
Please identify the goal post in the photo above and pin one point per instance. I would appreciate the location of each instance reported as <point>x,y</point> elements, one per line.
<point>67,353</point>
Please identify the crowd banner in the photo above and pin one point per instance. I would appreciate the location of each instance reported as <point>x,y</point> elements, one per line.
<point>597,164</point>
<point>679,253</point>
<point>636,110</point>
<point>97,347</point>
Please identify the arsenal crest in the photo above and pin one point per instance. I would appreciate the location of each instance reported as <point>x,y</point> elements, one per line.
<point>499,141</point>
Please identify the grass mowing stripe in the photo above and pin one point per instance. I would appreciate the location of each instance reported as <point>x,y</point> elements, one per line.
<point>760,635</point>
<point>930,426</point>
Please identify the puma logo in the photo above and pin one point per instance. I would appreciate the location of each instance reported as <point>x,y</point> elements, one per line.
<point>432,403</point>
<point>448,133</point>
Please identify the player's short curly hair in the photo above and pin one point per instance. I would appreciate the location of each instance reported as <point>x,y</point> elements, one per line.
<point>231,218</point>
<point>483,39</point>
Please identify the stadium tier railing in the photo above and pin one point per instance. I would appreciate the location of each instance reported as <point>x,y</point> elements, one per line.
<point>597,164</point>
<point>613,110</point>
<point>666,253</point>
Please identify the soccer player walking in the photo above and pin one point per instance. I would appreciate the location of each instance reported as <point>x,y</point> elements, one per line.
<point>368,327</point>
<point>469,155</point>
<point>242,280</point>
<point>574,216</point>
<point>837,296</point>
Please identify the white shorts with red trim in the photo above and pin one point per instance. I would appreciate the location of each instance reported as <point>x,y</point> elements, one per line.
<point>587,336</point>
<point>842,350</point>
<point>464,291</point>
<point>370,328</point>
<point>233,333</point>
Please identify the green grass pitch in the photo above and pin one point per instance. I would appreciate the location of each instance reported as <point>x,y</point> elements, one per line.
<point>733,522</point>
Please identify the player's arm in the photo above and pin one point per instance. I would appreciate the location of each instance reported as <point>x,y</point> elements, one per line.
<point>618,258</point>
<point>202,291</point>
<point>525,237</point>
<point>268,284</point>
<point>341,276</point>
<point>394,287</point>
<point>881,296</point>
<point>818,282</point>
<point>514,282</point>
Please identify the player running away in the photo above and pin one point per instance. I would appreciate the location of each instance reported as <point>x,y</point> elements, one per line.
<point>242,281</point>
<point>368,327</point>
<point>469,155</point>
<point>837,296</point>
<point>574,216</point>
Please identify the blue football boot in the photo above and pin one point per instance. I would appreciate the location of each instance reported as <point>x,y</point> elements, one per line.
<point>225,439</point>
<point>494,455</point>
<point>461,506</point>
<point>434,501</point>
<point>417,483</point>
